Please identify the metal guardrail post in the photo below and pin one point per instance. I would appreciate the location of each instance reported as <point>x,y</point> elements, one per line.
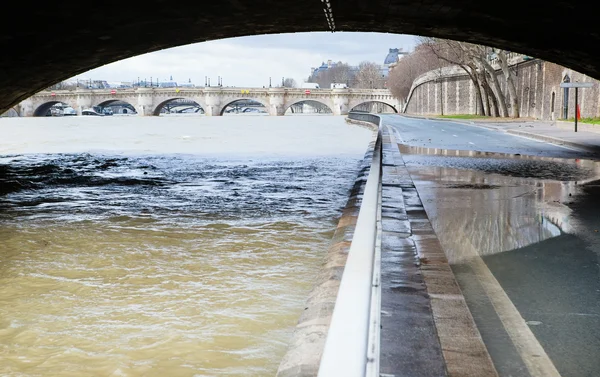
<point>347,347</point>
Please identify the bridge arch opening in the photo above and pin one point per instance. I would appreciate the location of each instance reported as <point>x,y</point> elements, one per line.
<point>308,106</point>
<point>54,108</point>
<point>115,106</point>
<point>247,106</point>
<point>179,105</point>
<point>10,113</point>
<point>375,107</point>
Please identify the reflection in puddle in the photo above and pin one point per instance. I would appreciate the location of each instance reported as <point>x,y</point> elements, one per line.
<point>485,210</point>
<point>521,235</point>
<point>514,165</point>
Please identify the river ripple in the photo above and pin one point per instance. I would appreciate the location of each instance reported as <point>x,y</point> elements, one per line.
<point>164,246</point>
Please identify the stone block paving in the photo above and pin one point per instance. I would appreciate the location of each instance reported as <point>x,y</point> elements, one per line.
<point>426,327</point>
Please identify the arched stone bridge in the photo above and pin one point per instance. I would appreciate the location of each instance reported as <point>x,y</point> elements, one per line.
<point>214,100</point>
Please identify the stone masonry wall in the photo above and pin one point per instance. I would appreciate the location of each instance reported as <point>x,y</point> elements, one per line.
<point>538,88</point>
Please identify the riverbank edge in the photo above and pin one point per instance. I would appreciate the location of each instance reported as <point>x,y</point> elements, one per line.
<point>306,345</point>
<point>368,125</point>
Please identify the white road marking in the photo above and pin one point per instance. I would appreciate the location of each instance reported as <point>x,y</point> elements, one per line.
<point>471,143</point>
<point>454,135</point>
<point>535,358</point>
<point>549,143</point>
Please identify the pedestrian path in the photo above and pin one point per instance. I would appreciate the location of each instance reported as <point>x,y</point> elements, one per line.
<point>556,132</point>
<point>552,132</point>
<point>426,327</point>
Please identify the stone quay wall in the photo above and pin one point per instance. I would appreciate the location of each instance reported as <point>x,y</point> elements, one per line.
<point>450,91</point>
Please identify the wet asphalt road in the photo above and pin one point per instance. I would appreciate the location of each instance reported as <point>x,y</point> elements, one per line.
<point>522,235</point>
<point>454,135</point>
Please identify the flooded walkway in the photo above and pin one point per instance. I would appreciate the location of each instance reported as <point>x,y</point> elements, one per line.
<point>523,252</point>
<point>518,222</point>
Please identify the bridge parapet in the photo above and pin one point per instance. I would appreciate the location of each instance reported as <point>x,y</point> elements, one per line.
<point>149,101</point>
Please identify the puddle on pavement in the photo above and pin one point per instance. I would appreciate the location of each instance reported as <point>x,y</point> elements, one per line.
<point>533,223</point>
<point>514,165</point>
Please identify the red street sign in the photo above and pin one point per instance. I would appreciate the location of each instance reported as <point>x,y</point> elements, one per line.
<point>307,91</point>
<point>113,92</point>
<point>52,94</point>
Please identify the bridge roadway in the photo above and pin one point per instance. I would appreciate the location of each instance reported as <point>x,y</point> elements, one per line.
<point>214,100</point>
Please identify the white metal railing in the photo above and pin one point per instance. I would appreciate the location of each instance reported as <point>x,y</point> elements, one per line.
<point>352,344</point>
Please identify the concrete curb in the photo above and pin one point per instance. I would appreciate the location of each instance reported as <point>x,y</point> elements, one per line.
<point>306,345</point>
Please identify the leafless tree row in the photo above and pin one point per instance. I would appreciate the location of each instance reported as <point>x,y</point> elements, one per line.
<point>367,76</point>
<point>433,54</point>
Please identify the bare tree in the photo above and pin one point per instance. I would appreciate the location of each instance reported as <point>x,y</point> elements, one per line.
<point>480,55</point>
<point>509,76</point>
<point>458,53</point>
<point>340,73</point>
<point>411,66</point>
<point>289,82</point>
<point>368,76</point>
<point>337,73</point>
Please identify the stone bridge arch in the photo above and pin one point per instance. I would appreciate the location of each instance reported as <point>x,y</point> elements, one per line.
<point>230,100</point>
<point>295,100</point>
<point>41,109</point>
<point>325,102</point>
<point>162,102</point>
<point>383,99</point>
<point>367,104</point>
<point>479,22</point>
<point>108,100</point>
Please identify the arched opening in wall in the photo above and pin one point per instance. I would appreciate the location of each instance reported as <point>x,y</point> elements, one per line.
<point>565,113</point>
<point>179,106</point>
<point>308,107</point>
<point>375,107</point>
<point>10,113</point>
<point>114,107</point>
<point>246,107</point>
<point>54,108</point>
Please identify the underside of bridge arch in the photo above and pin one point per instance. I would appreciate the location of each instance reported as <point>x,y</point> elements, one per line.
<point>178,102</point>
<point>313,106</point>
<point>375,107</point>
<point>44,109</point>
<point>243,105</point>
<point>118,106</point>
<point>48,46</point>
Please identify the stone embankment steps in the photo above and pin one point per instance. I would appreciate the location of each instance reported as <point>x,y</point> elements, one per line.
<point>426,327</point>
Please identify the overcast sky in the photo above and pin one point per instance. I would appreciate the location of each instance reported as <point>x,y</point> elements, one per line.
<point>249,61</point>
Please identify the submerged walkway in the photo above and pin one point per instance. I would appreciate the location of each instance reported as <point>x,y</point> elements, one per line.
<point>426,326</point>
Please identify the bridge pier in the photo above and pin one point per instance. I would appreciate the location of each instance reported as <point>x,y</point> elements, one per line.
<point>27,108</point>
<point>340,102</point>
<point>212,100</point>
<point>277,101</point>
<point>84,100</point>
